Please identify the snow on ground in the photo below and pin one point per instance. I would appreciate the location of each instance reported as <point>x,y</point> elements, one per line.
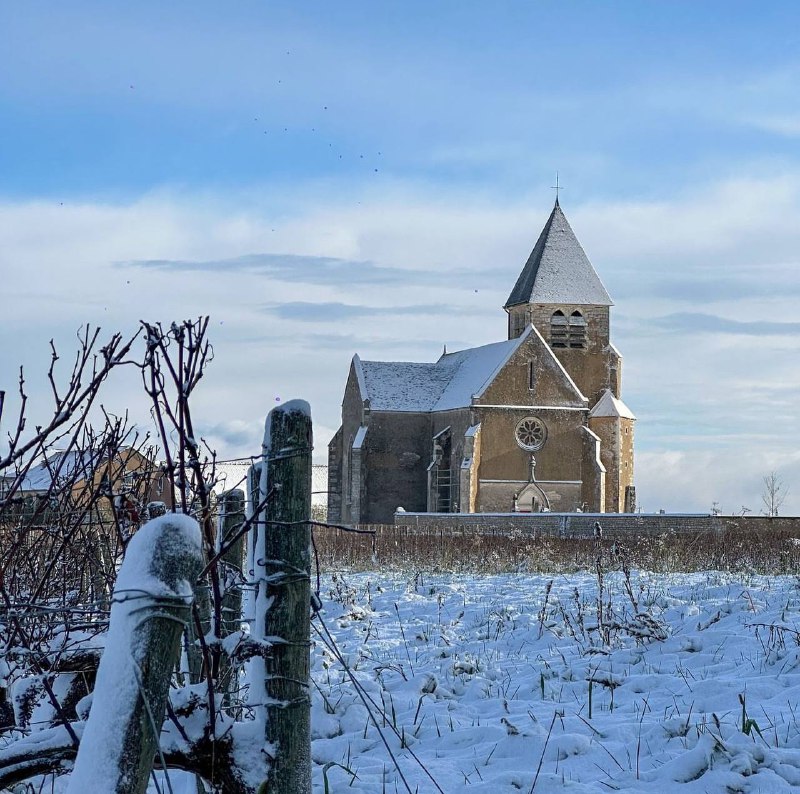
<point>486,684</point>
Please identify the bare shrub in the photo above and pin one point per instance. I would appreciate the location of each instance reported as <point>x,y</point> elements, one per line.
<point>471,549</point>
<point>71,496</point>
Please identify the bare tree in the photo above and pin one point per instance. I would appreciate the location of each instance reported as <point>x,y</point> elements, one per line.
<point>773,493</point>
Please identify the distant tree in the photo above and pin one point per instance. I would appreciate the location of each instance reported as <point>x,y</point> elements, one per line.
<point>773,493</point>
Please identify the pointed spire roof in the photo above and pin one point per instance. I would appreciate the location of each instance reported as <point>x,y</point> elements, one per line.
<point>558,270</point>
<point>609,405</point>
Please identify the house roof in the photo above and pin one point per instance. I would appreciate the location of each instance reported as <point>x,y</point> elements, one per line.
<point>609,405</point>
<point>61,467</point>
<point>558,270</point>
<point>447,384</point>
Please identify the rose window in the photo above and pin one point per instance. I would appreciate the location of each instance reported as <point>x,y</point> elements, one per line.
<point>531,433</point>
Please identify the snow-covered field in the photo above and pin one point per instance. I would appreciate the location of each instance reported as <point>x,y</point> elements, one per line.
<point>495,685</point>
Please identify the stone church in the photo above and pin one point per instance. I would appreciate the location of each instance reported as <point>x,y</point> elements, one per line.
<point>532,423</point>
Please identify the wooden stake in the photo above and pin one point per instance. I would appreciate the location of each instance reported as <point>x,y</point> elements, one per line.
<point>288,588</point>
<point>151,605</point>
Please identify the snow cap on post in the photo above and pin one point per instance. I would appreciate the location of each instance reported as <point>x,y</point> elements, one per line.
<point>301,406</point>
<point>152,599</point>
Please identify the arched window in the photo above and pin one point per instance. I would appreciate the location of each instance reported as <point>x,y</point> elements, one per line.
<point>577,330</point>
<point>559,336</point>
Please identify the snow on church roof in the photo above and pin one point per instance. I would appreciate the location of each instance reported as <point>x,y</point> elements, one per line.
<point>402,385</point>
<point>445,385</point>
<point>609,405</point>
<point>558,270</point>
<point>474,367</point>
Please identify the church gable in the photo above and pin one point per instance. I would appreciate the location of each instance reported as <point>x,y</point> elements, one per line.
<point>473,370</point>
<point>532,375</point>
<point>354,391</point>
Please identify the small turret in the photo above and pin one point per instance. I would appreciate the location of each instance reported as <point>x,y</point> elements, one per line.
<point>613,422</point>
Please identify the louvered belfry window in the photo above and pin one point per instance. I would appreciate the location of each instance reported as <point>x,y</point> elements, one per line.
<point>577,330</point>
<point>559,333</point>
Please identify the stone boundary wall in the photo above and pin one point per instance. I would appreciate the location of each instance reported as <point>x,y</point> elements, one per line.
<point>762,524</point>
<point>581,525</point>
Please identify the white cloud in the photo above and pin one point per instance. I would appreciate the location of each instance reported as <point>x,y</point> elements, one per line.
<point>693,480</point>
<point>743,222</point>
<point>704,396</point>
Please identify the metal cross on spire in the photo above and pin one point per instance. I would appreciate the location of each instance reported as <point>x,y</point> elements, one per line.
<point>556,187</point>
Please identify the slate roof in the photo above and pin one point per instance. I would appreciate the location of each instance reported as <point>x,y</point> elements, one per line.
<point>444,385</point>
<point>402,385</point>
<point>558,270</point>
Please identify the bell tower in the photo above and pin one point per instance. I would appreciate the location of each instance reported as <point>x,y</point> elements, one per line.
<point>561,295</point>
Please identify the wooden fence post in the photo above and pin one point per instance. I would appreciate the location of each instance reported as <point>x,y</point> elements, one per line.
<point>231,517</point>
<point>286,568</point>
<point>151,603</point>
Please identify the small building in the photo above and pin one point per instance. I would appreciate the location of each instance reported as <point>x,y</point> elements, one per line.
<point>235,473</point>
<point>532,423</point>
<point>127,476</point>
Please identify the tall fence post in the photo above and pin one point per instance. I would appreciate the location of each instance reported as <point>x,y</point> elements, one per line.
<point>151,604</point>
<point>286,567</point>
<point>231,517</point>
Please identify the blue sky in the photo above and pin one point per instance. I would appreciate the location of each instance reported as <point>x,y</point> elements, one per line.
<point>325,179</point>
<point>112,99</point>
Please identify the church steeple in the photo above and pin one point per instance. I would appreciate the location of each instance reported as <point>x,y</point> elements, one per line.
<point>561,295</point>
<point>558,270</point>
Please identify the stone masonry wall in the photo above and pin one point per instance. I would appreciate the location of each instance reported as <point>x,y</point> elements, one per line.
<point>589,368</point>
<point>582,524</point>
<point>335,477</point>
